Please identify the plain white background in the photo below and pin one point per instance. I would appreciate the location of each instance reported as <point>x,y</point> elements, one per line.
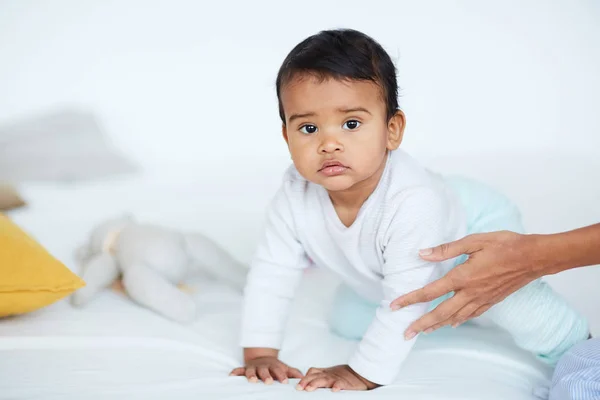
<point>506,91</point>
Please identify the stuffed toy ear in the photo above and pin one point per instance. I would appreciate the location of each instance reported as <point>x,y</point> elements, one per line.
<point>126,217</point>
<point>82,254</point>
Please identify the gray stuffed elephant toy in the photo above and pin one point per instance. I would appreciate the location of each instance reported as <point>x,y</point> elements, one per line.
<point>152,261</point>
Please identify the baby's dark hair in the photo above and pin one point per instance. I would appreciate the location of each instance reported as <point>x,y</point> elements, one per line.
<point>341,54</point>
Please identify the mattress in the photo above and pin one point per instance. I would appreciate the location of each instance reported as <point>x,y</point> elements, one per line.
<point>113,348</point>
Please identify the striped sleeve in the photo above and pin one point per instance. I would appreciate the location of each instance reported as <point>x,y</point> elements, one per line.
<point>577,374</point>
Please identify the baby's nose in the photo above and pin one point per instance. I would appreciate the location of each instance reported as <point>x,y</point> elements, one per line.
<point>330,144</point>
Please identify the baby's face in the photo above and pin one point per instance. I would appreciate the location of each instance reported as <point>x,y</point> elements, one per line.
<point>337,131</point>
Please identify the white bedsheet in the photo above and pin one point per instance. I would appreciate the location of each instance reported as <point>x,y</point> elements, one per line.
<point>114,349</point>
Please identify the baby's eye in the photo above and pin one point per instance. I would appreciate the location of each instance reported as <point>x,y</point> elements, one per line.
<point>351,125</point>
<point>308,129</point>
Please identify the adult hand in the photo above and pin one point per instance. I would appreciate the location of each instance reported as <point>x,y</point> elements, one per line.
<point>499,264</point>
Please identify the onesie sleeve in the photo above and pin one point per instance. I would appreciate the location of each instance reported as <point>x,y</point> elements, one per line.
<point>275,273</point>
<point>418,222</point>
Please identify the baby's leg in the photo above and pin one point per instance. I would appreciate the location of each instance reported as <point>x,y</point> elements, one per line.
<point>351,314</point>
<point>538,319</point>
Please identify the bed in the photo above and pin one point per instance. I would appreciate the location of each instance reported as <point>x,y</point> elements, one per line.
<point>113,348</point>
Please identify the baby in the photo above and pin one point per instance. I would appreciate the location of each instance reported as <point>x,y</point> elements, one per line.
<point>352,202</point>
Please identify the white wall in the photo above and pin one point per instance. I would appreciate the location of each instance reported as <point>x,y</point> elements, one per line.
<point>188,87</point>
<point>178,81</point>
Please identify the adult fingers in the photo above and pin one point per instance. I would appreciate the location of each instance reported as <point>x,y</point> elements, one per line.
<point>450,250</point>
<point>427,293</point>
<point>460,317</point>
<point>438,316</point>
<point>480,310</point>
<point>464,314</point>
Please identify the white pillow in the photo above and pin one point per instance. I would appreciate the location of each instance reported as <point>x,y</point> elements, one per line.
<point>68,145</point>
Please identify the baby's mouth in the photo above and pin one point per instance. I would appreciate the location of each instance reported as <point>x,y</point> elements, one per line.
<point>332,168</point>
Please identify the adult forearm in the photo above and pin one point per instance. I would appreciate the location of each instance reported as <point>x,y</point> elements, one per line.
<point>562,251</point>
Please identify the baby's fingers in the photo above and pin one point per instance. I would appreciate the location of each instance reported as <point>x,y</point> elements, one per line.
<point>294,373</point>
<point>238,372</point>
<point>265,375</point>
<point>251,374</point>
<point>279,373</point>
<point>310,375</point>
<point>320,381</point>
<point>340,384</point>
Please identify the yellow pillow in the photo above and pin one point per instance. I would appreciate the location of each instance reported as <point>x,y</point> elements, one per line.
<point>30,278</point>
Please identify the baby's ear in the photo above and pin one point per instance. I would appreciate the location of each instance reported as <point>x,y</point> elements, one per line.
<point>396,126</point>
<point>284,133</point>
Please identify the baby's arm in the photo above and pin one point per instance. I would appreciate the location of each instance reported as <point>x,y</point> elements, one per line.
<point>418,222</point>
<point>274,276</point>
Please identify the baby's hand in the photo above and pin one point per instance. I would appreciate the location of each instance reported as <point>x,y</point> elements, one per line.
<point>341,377</point>
<point>267,368</point>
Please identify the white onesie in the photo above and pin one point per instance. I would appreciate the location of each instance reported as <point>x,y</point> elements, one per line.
<point>377,256</point>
